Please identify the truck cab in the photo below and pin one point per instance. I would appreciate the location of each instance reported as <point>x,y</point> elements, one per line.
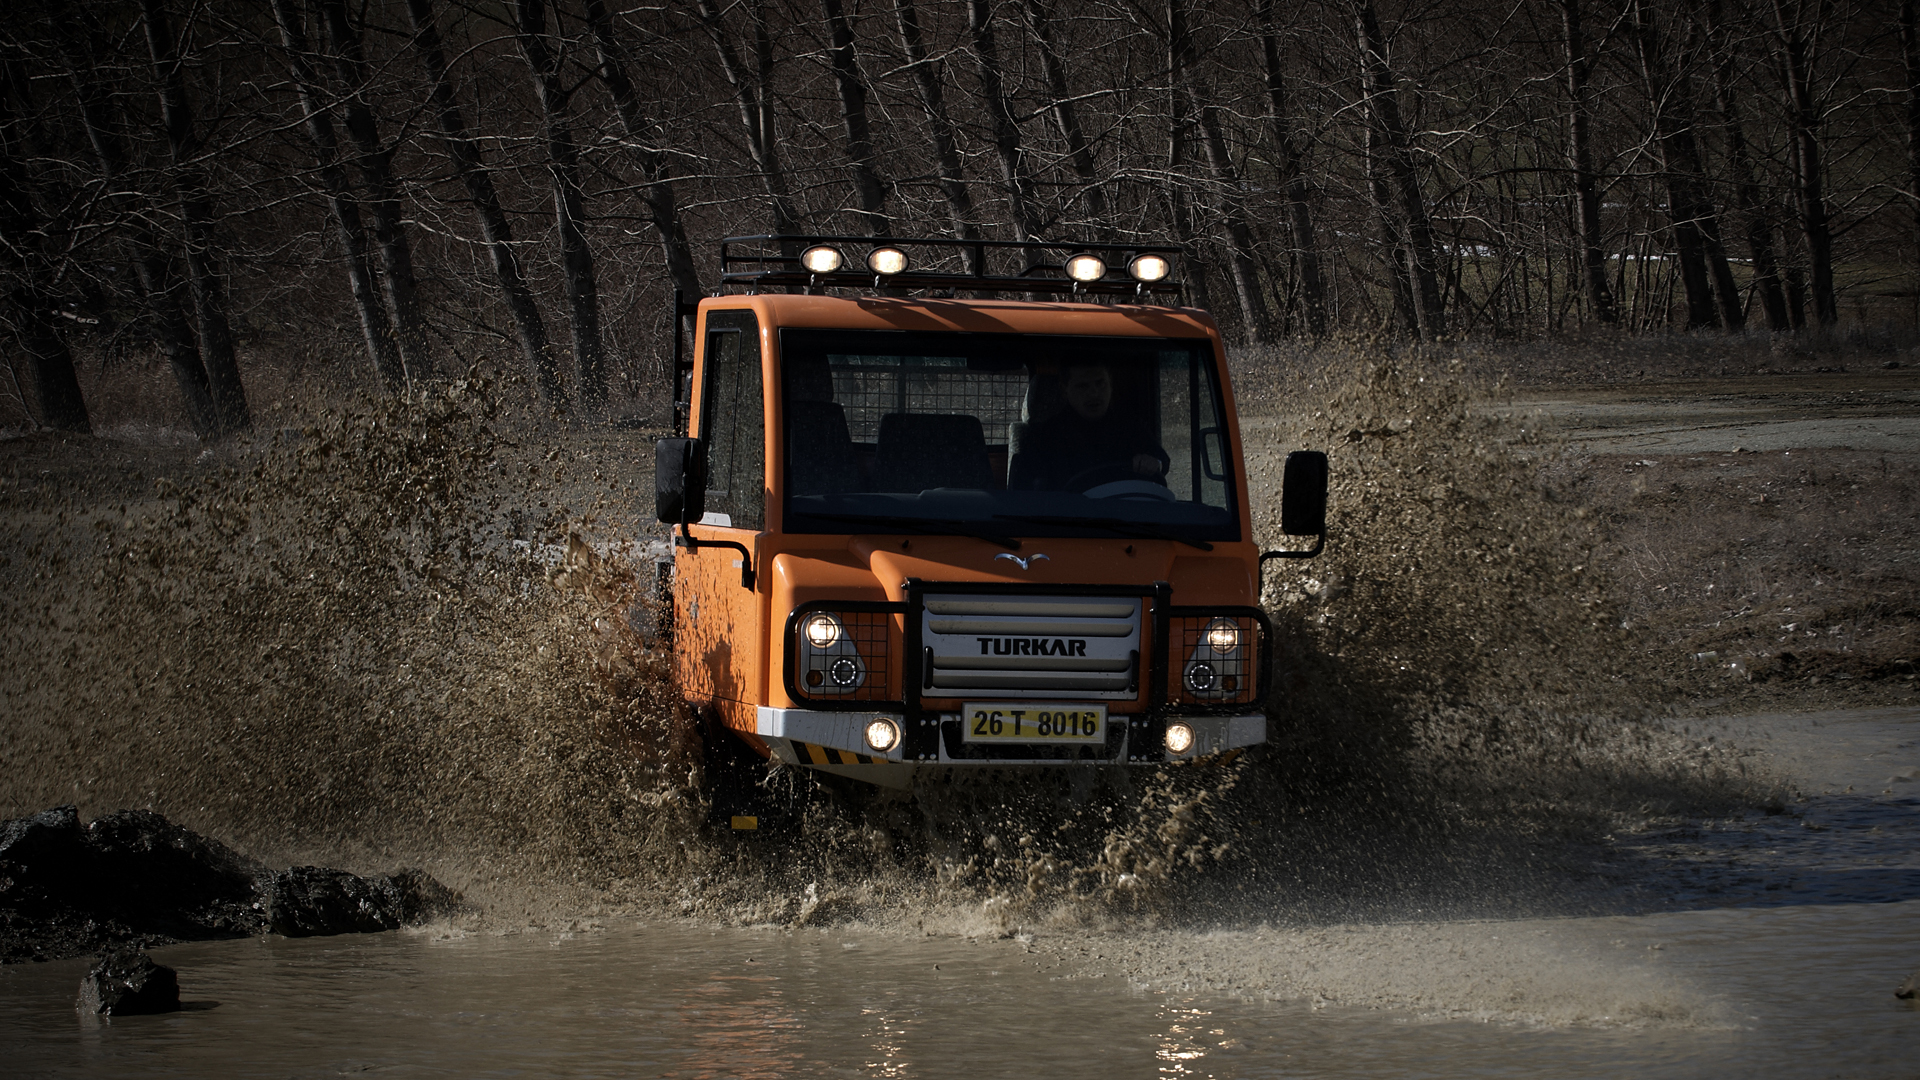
<point>933,519</point>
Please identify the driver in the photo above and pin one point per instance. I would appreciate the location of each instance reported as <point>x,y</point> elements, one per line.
<point>1087,444</point>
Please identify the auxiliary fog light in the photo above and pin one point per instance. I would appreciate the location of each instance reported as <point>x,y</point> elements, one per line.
<point>1149,267</point>
<point>1085,268</point>
<point>887,261</point>
<point>844,672</point>
<point>883,734</point>
<point>1179,738</point>
<point>821,259</point>
<point>823,630</point>
<point>1223,635</point>
<point>1200,678</point>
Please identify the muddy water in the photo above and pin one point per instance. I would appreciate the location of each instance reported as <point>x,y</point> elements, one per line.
<point>1765,944</point>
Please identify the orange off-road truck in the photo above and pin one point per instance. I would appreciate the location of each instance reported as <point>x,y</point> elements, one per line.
<point>963,504</point>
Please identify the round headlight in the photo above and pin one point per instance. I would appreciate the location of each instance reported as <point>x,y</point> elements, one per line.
<point>887,260</point>
<point>1200,678</point>
<point>1179,738</point>
<point>823,630</point>
<point>1223,635</point>
<point>844,672</point>
<point>883,734</point>
<point>1084,268</point>
<point>1149,267</point>
<point>821,259</point>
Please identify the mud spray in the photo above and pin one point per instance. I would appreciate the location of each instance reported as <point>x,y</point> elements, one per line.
<point>404,632</point>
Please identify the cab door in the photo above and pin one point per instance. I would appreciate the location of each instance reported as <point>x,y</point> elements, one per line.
<point>720,644</point>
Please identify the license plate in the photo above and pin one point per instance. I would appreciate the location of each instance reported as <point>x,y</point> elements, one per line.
<point>1037,722</point>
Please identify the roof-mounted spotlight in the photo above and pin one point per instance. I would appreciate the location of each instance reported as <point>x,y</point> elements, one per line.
<point>821,259</point>
<point>1148,267</point>
<point>1084,268</point>
<point>887,261</point>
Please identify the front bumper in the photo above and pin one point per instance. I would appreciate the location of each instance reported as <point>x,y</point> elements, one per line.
<point>835,742</point>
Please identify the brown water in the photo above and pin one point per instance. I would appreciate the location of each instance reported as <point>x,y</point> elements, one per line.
<point>1766,945</point>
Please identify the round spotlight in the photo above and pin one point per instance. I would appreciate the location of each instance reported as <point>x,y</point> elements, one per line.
<point>887,261</point>
<point>1200,678</point>
<point>844,672</point>
<point>1149,267</point>
<point>1223,635</point>
<point>883,734</point>
<point>821,259</point>
<point>1085,268</point>
<point>823,630</point>
<point>1179,738</point>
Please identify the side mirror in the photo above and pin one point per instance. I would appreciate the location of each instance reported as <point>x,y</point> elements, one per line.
<point>680,481</point>
<point>1303,494</point>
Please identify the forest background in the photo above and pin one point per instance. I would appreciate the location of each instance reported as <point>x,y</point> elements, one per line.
<point>203,200</point>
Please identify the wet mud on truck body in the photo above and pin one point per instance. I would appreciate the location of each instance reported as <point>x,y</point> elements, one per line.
<point>941,519</point>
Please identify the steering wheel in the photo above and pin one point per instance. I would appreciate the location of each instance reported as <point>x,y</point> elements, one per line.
<point>1116,479</point>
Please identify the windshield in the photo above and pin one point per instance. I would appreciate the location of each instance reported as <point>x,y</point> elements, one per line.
<point>1002,435</point>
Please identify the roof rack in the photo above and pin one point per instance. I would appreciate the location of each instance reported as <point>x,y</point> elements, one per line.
<point>775,260</point>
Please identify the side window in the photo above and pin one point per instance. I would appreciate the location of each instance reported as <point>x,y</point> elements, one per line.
<point>733,422</point>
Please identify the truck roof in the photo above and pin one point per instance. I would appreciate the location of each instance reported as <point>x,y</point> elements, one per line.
<point>971,316</point>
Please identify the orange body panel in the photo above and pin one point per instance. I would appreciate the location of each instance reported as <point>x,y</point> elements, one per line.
<point>731,641</point>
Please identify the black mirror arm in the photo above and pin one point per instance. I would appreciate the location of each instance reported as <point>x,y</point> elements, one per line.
<point>692,543</point>
<point>1319,543</point>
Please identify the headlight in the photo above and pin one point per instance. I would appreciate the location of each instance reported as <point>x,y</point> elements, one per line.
<point>821,259</point>
<point>887,260</point>
<point>1084,268</point>
<point>883,734</point>
<point>1179,738</point>
<point>823,630</point>
<point>1149,267</point>
<point>1223,635</point>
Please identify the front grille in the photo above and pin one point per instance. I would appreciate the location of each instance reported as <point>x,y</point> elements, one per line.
<point>1031,646</point>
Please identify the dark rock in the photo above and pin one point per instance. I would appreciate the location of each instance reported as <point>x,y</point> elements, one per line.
<point>1910,989</point>
<point>126,982</point>
<point>313,901</point>
<point>135,878</point>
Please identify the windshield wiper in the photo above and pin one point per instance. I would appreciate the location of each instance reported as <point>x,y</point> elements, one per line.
<point>920,525</point>
<point>1138,530</point>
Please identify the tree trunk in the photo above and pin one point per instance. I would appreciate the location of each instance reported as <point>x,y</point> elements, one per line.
<point>1910,57</point>
<point>642,139</point>
<point>1079,151</point>
<point>56,386</point>
<point>1753,207</point>
<point>375,163</point>
<point>1586,186</point>
<point>946,154</point>
<point>1796,67</point>
<point>753,94</point>
<point>160,289</point>
<point>563,167</point>
<point>1179,205</point>
<point>1397,192</point>
<point>196,212</point>
<point>375,327</point>
<point>1006,130</point>
<point>529,329</point>
<point>853,115</point>
<point>1244,263</point>
<point>1287,142</point>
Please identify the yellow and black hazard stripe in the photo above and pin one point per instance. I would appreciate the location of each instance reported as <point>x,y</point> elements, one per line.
<point>810,754</point>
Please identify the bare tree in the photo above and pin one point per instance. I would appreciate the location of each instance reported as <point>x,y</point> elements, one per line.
<point>529,329</point>
<point>1790,26</point>
<point>1289,150</point>
<point>196,215</point>
<point>753,93</point>
<point>946,155</point>
<point>375,327</point>
<point>1396,185</point>
<point>1002,123</point>
<point>1586,186</point>
<point>643,140</point>
<point>853,114</point>
<point>27,273</point>
<point>1740,167</point>
<point>1079,150</point>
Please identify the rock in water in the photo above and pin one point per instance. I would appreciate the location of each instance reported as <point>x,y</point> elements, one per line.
<point>313,901</point>
<point>1910,989</point>
<point>127,982</point>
